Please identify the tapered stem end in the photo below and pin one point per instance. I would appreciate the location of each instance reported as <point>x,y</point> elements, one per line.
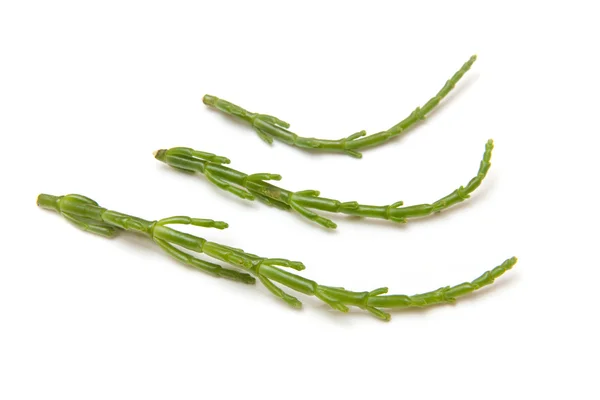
<point>48,201</point>
<point>209,100</point>
<point>160,155</point>
<point>221,225</point>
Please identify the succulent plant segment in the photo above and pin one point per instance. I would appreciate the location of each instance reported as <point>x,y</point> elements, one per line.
<point>255,186</point>
<point>87,215</point>
<point>269,128</point>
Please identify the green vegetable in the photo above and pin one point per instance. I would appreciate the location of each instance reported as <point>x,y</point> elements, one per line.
<point>86,214</point>
<point>269,127</point>
<point>254,186</point>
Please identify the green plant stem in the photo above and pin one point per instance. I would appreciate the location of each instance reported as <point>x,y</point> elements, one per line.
<point>268,127</point>
<point>86,214</point>
<point>254,186</point>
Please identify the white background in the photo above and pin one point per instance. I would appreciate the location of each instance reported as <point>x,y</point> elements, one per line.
<point>88,91</point>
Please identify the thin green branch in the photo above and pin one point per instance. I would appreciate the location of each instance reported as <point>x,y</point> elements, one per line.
<point>303,202</point>
<point>84,212</point>
<point>268,127</point>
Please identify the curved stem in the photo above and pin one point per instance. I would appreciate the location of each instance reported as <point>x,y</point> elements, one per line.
<point>268,270</point>
<point>268,127</point>
<point>255,186</point>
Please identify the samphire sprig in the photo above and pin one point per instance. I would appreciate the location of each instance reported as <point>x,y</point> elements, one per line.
<point>268,127</point>
<point>87,215</point>
<point>254,186</point>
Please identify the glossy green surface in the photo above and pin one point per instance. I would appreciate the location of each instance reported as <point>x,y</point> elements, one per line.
<point>268,127</point>
<point>86,214</point>
<point>255,186</point>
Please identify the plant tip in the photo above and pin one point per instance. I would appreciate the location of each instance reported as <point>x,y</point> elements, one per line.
<point>221,225</point>
<point>269,127</point>
<point>160,154</point>
<point>298,266</point>
<point>209,100</point>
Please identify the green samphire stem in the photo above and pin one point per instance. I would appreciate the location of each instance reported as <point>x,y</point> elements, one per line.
<point>268,127</point>
<point>254,186</point>
<point>87,215</point>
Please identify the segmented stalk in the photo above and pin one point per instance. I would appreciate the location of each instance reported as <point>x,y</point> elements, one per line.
<point>254,186</point>
<point>86,214</point>
<point>268,127</point>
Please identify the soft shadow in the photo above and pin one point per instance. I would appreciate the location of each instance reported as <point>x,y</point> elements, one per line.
<point>143,241</point>
<point>465,83</point>
<point>236,121</point>
<point>209,186</point>
<point>139,240</point>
